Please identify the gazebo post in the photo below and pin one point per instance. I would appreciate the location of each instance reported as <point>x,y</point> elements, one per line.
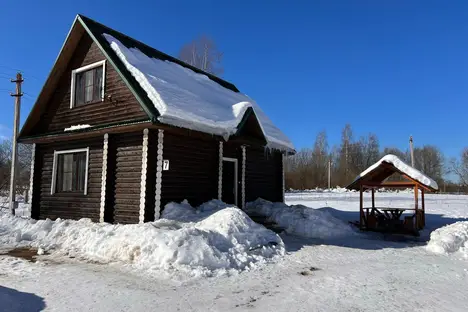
<point>423,208</point>
<point>373,198</point>
<point>361,206</point>
<point>416,205</point>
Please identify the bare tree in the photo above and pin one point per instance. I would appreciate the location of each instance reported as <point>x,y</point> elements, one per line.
<point>320,160</point>
<point>204,54</point>
<point>24,166</point>
<point>460,167</point>
<point>430,160</point>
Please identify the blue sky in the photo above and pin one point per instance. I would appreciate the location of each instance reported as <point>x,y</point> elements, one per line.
<point>393,68</point>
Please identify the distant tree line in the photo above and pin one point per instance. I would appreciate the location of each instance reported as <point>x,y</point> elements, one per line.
<point>309,167</point>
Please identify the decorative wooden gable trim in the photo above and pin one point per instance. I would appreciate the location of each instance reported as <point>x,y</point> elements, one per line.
<point>105,149</point>
<point>159,169</point>
<point>144,167</point>
<point>31,176</point>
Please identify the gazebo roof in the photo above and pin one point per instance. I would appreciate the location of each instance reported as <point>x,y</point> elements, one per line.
<point>388,165</point>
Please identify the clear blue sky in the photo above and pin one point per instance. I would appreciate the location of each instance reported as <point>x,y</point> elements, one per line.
<point>393,68</point>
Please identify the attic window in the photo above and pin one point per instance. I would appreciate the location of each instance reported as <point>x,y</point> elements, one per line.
<point>87,84</point>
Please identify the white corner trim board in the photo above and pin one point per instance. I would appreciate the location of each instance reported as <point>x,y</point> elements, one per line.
<point>236,179</point>
<point>105,149</point>
<point>159,167</point>
<point>31,176</point>
<point>54,168</point>
<point>244,157</point>
<point>220,172</point>
<point>83,69</point>
<point>144,168</point>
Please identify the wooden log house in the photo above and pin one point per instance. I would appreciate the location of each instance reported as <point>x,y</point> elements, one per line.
<point>388,219</point>
<point>106,149</point>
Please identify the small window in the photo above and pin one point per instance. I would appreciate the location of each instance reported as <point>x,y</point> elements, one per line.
<point>88,84</point>
<point>70,171</point>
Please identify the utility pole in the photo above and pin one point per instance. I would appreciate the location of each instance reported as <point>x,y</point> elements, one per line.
<point>411,150</point>
<point>329,173</point>
<point>14,151</point>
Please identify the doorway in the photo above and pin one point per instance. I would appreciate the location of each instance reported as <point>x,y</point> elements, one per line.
<point>229,194</point>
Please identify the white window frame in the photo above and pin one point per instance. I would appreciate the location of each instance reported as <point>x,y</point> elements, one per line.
<point>236,187</point>
<point>54,168</point>
<point>83,69</point>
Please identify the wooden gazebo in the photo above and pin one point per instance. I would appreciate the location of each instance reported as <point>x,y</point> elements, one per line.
<point>388,219</point>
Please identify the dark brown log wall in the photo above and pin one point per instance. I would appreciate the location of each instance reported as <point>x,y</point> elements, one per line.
<point>67,205</point>
<point>263,175</point>
<point>126,152</point>
<point>193,175</point>
<point>123,106</point>
<point>193,170</point>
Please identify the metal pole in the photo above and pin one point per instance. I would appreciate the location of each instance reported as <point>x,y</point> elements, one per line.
<point>329,173</point>
<point>411,150</point>
<point>14,151</point>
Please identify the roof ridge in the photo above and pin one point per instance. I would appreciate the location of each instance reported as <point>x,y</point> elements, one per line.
<point>165,56</point>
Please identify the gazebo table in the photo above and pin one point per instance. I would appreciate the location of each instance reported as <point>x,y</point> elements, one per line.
<point>393,213</point>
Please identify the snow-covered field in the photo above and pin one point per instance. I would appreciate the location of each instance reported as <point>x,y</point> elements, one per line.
<point>329,267</point>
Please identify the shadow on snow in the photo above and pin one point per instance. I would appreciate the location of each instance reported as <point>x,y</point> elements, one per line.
<point>368,240</point>
<point>12,300</point>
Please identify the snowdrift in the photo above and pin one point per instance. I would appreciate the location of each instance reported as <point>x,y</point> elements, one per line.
<point>210,240</point>
<point>301,220</point>
<point>450,239</point>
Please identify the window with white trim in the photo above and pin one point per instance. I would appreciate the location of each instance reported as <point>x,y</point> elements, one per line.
<point>70,171</point>
<point>87,84</point>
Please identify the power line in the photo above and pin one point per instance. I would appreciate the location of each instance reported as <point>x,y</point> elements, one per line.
<point>19,70</point>
<point>31,95</point>
<point>11,68</point>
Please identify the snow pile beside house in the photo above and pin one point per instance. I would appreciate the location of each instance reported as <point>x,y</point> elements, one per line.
<point>450,239</point>
<point>301,220</point>
<point>190,100</point>
<point>211,240</point>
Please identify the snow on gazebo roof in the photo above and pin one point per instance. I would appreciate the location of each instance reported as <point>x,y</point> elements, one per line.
<point>378,172</point>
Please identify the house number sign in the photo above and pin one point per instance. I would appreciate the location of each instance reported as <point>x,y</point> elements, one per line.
<point>165,164</point>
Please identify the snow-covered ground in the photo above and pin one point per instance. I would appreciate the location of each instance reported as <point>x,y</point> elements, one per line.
<point>355,272</point>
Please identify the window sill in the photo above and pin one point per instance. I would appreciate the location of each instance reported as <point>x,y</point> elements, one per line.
<point>70,193</point>
<point>86,104</point>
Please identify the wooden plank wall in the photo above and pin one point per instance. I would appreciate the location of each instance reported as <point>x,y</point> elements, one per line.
<point>123,106</point>
<point>193,172</point>
<point>263,175</point>
<point>67,205</point>
<point>126,153</point>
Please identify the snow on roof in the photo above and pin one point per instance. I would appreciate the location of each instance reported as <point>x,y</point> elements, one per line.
<point>76,127</point>
<point>190,100</point>
<point>403,167</point>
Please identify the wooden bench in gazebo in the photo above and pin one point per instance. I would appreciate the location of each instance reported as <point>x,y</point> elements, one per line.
<point>388,219</point>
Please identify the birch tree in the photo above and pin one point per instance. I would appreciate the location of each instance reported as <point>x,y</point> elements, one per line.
<point>203,54</point>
